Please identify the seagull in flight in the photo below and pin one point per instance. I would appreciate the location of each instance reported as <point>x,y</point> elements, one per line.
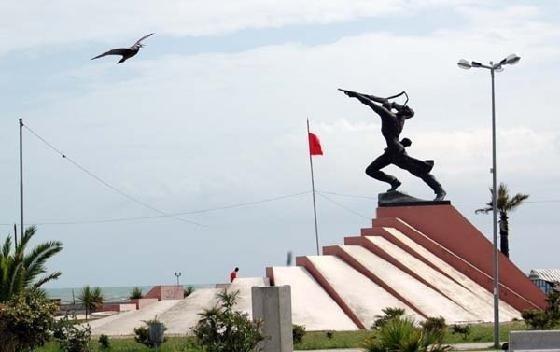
<point>126,53</point>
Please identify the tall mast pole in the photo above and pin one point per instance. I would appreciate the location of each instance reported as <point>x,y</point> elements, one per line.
<point>21,229</point>
<point>495,216</point>
<point>313,186</point>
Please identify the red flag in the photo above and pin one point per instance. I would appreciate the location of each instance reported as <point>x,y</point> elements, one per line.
<point>314,145</point>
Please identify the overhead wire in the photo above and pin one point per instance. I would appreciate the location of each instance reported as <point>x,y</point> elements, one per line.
<point>190,212</point>
<point>105,183</point>
<point>343,206</point>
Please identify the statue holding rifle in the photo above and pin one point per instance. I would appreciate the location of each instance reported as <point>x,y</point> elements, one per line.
<point>393,117</point>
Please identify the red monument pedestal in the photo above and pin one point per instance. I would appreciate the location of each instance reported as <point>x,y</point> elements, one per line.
<point>450,236</point>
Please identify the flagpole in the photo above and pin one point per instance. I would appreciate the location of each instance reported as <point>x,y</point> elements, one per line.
<point>21,230</point>
<point>313,186</point>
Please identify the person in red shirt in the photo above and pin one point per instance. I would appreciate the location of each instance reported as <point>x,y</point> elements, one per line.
<point>233,274</point>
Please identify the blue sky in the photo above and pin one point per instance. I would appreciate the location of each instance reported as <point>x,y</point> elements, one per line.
<point>212,113</point>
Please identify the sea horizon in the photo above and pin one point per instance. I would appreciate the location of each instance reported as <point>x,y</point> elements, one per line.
<point>110,293</point>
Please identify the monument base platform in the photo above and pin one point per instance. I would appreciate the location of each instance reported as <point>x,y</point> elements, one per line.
<point>397,198</point>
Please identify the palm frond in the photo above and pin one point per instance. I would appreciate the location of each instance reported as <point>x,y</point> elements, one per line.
<point>517,200</point>
<point>43,280</point>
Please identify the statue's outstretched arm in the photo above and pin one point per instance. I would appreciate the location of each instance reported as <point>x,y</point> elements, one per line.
<point>379,109</point>
<point>376,99</point>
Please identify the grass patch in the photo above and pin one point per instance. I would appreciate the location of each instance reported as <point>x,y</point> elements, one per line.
<point>311,341</point>
<point>173,344</point>
<point>485,332</point>
<point>315,340</point>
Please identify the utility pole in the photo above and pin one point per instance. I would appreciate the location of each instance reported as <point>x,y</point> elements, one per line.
<point>21,229</point>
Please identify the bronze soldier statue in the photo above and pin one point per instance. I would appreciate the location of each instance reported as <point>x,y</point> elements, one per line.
<point>393,116</point>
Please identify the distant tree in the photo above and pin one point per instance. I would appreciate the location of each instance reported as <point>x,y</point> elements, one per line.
<point>505,204</point>
<point>136,293</point>
<point>91,298</point>
<point>188,291</point>
<point>22,270</point>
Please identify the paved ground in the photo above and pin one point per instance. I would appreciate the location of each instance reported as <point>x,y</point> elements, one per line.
<point>456,347</point>
<point>337,350</point>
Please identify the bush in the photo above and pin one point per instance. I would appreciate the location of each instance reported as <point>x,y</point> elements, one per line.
<point>435,328</point>
<point>298,331</point>
<point>388,314</point>
<point>536,319</point>
<point>329,334</point>
<point>71,336</point>
<point>136,293</point>
<point>223,329</point>
<point>465,330</point>
<point>188,291</point>
<point>142,334</point>
<point>25,322</point>
<point>401,334</point>
<point>104,341</point>
<point>547,319</point>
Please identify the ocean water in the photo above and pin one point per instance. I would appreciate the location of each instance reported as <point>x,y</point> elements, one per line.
<point>110,294</point>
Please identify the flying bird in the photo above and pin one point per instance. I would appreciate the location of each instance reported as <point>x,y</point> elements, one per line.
<point>126,53</point>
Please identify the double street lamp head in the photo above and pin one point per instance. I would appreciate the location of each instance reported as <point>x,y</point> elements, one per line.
<point>510,60</point>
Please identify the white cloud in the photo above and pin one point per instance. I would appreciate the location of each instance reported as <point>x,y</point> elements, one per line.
<point>64,21</point>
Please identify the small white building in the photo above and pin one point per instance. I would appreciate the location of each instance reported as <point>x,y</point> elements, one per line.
<point>545,279</point>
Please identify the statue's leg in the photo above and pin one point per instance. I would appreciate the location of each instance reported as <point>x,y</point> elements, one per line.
<point>435,185</point>
<point>374,170</point>
<point>421,169</point>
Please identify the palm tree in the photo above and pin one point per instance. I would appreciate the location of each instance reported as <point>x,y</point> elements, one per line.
<point>20,269</point>
<point>505,204</point>
<point>91,298</point>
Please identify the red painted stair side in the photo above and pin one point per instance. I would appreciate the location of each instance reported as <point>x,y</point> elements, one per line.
<point>310,267</point>
<point>380,231</point>
<point>362,241</point>
<point>506,294</point>
<point>447,227</point>
<point>337,251</point>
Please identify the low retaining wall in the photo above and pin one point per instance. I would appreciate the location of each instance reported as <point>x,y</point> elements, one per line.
<point>531,340</point>
<point>118,307</point>
<point>143,302</point>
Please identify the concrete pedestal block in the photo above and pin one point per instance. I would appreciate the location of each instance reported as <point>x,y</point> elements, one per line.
<point>534,340</point>
<point>273,306</point>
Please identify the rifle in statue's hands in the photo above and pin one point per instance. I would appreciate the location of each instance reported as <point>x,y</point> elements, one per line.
<point>349,93</point>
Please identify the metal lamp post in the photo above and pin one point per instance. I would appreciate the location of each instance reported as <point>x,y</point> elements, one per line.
<point>493,67</point>
<point>177,277</point>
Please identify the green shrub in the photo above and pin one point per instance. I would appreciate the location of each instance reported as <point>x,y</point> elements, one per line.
<point>136,293</point>
<point>401,334</point>
<point>465,330</point>
<point>25,322</point>
<point>104,341</point>
<point>388,314</point>
<point>223,329</point>
<point>71,336</point>
<point>298,331</point>
<point>188,291</point>
<point>536,319</point>
<point>142,334</point>
<point>434,328</point>
<point>547,319</point>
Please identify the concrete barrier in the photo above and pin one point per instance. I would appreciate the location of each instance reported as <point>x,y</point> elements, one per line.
<point>143,302</point>
<point>273,306</point>
<point>534,340</point>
